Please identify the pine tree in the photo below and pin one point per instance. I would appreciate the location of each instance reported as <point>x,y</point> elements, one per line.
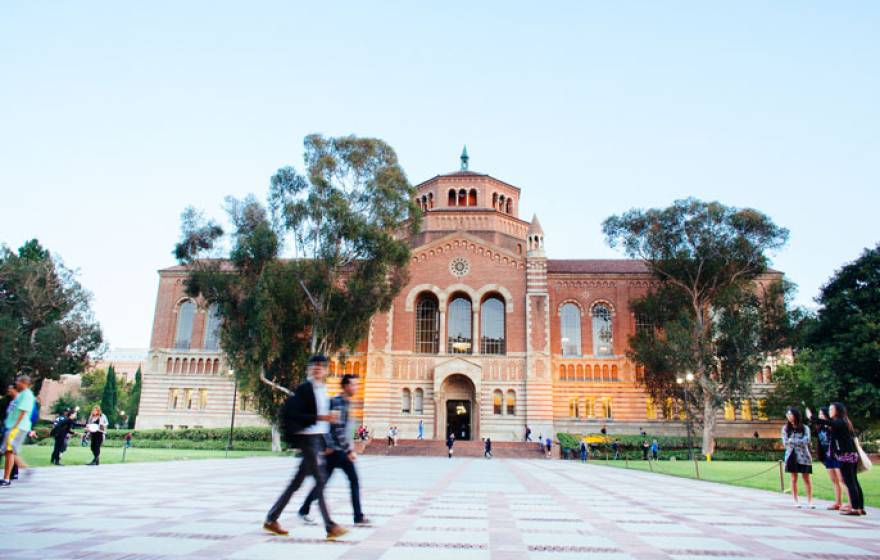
<point>134,399</point>
<point>110,396</point>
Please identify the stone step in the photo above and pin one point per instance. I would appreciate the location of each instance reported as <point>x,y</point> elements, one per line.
<point>437,448</point>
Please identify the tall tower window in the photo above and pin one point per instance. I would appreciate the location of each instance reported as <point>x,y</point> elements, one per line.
<point>492,339</point>
<point>459,329</point>
<point>603,343</point>
<point>212,328</point>
<point>185,315</point>
<point>427,324</point>
<point>570,319</point>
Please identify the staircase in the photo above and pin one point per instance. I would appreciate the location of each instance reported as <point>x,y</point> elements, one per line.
<point>437,448</point>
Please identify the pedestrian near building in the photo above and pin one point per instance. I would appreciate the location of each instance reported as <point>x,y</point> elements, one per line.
<point>548,446</point>
<point>584,451</point>
<point>615,447</point>
<point>342,454</point>
<point>17,425</point>
<point>846,450</point>
<point>11,394</point>
<point>826,455</point>
<point>450,442</point>
<point>305,421</point>
<point>390,436</point>
<point>528,436</point>
<point>645,448</point>
<point>96,426</point>
<point>796,440</point>
<point>655,449</point>
<point>61,432</point>
<point>487,448</point>
<point>421,430</point>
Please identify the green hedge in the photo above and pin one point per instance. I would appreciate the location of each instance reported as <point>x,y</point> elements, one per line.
<point>190,434</point>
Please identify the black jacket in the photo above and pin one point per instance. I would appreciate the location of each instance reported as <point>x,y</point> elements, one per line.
<point>843,439</point>
<point>299,412</point>
<point>64,427</point>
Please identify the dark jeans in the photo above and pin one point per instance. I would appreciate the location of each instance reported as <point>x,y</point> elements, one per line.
<point>97,439</point>
<point>339,460</point>
<point>312,447</point>
<point>60,447</point>
<point>849,473</point>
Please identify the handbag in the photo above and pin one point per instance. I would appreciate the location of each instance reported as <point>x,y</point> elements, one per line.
<point>864,463</point>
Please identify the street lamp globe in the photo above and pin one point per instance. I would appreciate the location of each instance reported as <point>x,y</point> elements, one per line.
<point>679,380</point>
<point>690,377</point>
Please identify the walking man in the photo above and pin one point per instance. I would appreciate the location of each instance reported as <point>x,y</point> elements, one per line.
<point>342,455</point>
<point>528,434</point>
<point>18,424</point>
<point>655,449</point>
<point>584,451</point>
<point>487,449</point>
<point>305,422</point>
<point>615,446</point>
<point>450,441</point>
<point>421,430</point>
<point>61,433</point>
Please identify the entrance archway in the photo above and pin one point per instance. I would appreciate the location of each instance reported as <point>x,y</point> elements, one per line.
<point>459,410</point>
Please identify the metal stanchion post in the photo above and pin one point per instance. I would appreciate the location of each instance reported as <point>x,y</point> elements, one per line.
<point>781,478</point>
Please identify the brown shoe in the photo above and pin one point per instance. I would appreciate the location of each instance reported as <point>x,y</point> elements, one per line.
<point>336,531</point>
<point>276,528</point>
<point>833,507</point>
<point>850,512</point>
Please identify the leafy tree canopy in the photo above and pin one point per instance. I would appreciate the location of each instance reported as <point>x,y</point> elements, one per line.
<point>46,324</point>
<point>342,227</point>
<point>715,312</point>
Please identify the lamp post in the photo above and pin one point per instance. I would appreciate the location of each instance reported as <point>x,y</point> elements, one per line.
<point>234,402</point>
<point>685,383</point>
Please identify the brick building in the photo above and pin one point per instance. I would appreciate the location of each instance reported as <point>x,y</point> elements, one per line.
<point>488,336</point>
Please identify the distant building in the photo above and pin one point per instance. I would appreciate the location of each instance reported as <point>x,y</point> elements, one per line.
<point>125,361</point>
<point>488,336</point>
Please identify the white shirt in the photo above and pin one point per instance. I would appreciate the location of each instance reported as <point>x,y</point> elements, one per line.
<point>323,403</point>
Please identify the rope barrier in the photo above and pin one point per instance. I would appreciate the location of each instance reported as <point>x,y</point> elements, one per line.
<point>651,467</point>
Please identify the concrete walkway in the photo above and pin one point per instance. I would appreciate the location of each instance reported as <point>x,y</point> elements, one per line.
<point>422,509</point>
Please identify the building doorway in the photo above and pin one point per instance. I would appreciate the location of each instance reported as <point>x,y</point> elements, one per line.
<point>458,419</point>
<point>458,409</point>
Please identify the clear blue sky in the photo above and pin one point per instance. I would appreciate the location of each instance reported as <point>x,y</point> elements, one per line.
<point>115,116</point>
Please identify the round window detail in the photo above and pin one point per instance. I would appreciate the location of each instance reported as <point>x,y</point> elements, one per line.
<point>459,266</point>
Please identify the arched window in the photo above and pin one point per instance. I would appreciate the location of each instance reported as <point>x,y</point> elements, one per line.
<point>472,197</point>
<point>573,409</point>
<point>176,365</point>
<point>212,327</point>
<point>509,206</point>
<point>430,200</point>
<point>492,340</point>
<point>605,376</point>
<point>570,321</point>
<point>169,365</point>
<point>451,201</point>
<point>614,373</point>
<point>590,407</point>
<point>405,401</point>
<point>561,373</point>
<point>651,412</point>
<point>427,324</point>
<point>729,411</point>
<point>185,315</point>
<point>768,374</point>
<point>571,372</point>
<point>746,409</point>
<point>459,331</point>
<point>331,369</point>
<point>462,197</point>
<point>511,403</point>
<point>357,368</point>
<point>607,410</point>
<point>603,343</point>
<point>419,401</point>
<point>501,202</point>
<point>494,200</point>
<point>497,402</point>
<point>580,372</point>
<point>216,366</point>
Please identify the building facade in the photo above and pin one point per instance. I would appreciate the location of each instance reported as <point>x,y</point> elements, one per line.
<point>488,337</point>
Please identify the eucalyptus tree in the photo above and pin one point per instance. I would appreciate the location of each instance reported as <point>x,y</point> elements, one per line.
<point>716,311</point>
<point>305,271</point>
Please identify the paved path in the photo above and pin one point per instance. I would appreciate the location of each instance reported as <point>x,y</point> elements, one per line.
<point>422,509</point>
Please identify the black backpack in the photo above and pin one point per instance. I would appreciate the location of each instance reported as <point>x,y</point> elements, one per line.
<point>54,431</point>
<point>287,423</point>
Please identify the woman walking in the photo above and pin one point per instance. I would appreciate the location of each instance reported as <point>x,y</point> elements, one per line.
<point>97,427</point>
<point>796,440</point>
<point>845,451</point>
<point>826,455</point>
<point>450,442</point>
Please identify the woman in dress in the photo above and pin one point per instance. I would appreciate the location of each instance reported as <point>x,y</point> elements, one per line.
<point>844,447</point>
<point>97,427</point>
<point>796,440</point>
<point>826,455</point>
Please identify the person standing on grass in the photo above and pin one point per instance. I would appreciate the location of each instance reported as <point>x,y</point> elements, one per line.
<point>826,455</point>
<point>655,449</point>
<point>846,452</point>
<point>11,394</point>
<point>796,440</point>
<point>17,425</point>
<point>342,455</point>
<point>615,447</point>
<point>450,441</point>
<point>61,431</point>
<point>645,448</point>
<point>584,451</point>
<point>305,420</point>
<point>97,427</point>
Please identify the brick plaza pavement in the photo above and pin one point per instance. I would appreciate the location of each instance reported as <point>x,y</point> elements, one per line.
<point>421,508</point>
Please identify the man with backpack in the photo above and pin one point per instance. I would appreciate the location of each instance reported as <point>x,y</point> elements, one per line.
<point>305,422</point>
<point>343,455</point>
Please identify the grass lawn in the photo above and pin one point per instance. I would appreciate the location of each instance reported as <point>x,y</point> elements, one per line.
<point>762,474</point>
<point>39,455</point>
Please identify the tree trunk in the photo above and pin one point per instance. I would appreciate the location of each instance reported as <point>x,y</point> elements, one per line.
<point>276,439</point>
<point>709,422</point>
